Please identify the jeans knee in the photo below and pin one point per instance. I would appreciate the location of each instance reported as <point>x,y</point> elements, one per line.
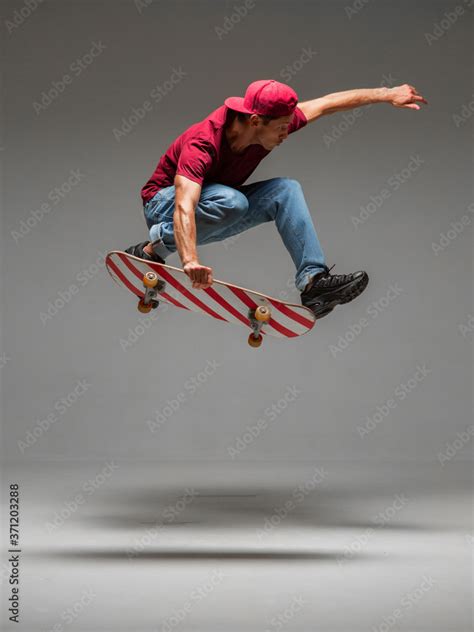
<point>237,202</point>
<point>227,207</point>
<point>289,184</point>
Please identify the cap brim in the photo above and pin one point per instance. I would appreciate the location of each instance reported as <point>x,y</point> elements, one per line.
<point>237,104</point>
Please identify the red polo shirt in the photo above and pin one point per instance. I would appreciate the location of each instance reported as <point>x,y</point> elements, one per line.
<point>202,154</point>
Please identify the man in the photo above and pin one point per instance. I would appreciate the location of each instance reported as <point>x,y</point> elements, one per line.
<point>197,194</point>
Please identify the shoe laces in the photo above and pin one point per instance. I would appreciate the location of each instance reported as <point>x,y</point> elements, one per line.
<point>328,280</point>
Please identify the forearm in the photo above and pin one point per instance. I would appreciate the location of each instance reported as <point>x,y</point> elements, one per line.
<point>404,96</point>
<point>350,99</point>
<point>187,194</point>
<point>184,226</point>
<point>347,100</point>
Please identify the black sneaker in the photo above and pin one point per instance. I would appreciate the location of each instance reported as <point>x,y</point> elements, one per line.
<point>137,251</point>
<point>328,290</point>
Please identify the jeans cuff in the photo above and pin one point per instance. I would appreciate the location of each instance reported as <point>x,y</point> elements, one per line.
<point>157,244</point>
<point>303,279</point>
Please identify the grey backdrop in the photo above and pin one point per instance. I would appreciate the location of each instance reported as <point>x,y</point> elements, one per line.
<point>168,401</point>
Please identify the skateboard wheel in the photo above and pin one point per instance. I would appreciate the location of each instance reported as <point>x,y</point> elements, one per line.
<point>262,314</point>
<point>150,279</point>
<point>255,342</point>
<point>143,307</point>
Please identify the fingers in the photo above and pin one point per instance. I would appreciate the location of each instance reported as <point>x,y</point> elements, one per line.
<point>409,98</point>
<point>200,276</point>
<point>201,285</point>
<point>209,279</point>
<point>416,96</point>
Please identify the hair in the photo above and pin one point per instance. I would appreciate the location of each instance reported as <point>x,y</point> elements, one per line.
<point>242,117</point>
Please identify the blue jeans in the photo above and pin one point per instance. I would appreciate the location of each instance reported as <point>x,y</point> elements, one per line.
<point>223,212</point>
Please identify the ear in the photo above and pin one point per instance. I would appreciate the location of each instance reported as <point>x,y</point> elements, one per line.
<point>254,120</point>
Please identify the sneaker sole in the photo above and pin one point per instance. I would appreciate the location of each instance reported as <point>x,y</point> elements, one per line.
<point>325,310</point>
<point>355,291</point>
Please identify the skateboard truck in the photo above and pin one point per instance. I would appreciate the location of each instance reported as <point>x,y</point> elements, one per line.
<point>258,317</point>
<point>153,286</point>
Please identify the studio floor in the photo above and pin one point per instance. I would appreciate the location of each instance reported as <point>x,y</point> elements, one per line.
<point>121,545</point>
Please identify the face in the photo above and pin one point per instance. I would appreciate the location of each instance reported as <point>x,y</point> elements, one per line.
<point>274,133</point>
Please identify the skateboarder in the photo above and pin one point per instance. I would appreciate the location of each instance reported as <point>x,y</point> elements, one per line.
<point>197,194</point>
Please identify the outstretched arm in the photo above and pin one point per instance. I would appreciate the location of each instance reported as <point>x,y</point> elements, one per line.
<point>405,96</point>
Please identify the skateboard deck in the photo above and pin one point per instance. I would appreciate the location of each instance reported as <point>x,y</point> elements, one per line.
<point>153,283</point>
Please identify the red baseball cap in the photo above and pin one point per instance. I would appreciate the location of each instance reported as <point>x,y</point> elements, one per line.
<point>266,97</point>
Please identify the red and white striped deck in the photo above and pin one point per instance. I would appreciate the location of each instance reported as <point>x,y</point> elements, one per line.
<point>223,301</point>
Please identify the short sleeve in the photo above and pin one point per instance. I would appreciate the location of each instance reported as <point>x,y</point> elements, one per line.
<point>299,121</point>
<point>195,160</point>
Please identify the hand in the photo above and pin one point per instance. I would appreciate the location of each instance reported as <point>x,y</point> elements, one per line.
<point>406,97</point>
<point>201,276</point>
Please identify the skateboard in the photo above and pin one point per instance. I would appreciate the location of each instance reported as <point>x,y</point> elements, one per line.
<point>263,315</point>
